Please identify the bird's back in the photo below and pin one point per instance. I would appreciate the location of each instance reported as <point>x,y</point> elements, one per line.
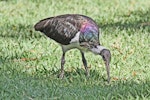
<point>64,28</point>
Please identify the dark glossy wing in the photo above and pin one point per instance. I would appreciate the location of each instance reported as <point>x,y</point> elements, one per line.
<point>60,28</point>
<point>64,27</point>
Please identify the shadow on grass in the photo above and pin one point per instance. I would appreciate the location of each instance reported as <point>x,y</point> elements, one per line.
<point>79,73</point>
<point>45,84</point>
<point>16,83</point>
<point>141,20</point>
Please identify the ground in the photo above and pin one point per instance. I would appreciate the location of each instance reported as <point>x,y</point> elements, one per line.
<point>30,62</point>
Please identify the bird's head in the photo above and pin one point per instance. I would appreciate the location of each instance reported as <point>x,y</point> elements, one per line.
<point>106,55</point>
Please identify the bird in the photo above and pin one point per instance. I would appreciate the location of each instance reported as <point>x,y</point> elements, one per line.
<point>75,31</point>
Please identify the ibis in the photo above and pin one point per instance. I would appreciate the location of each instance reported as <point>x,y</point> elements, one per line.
<point>75,31</point>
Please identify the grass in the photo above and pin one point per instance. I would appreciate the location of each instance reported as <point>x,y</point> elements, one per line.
<point>30,62</point>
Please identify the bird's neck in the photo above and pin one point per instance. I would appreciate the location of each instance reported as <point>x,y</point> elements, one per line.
<point>97,50</point>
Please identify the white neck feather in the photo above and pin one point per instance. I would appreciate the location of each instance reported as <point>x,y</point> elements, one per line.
<point>98,49</point>
<point>76,38</point>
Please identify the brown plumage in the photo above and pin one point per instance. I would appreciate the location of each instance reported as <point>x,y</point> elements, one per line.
<point>64,26</point>
<point>74,31</point>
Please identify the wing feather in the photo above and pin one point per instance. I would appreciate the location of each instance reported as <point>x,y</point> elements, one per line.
<point>63,28</point>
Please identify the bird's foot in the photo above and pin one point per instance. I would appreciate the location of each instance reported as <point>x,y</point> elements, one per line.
<point>87,75</point>
<point>61,75</point>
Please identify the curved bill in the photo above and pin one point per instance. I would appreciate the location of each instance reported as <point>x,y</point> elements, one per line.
<point>108,70</point>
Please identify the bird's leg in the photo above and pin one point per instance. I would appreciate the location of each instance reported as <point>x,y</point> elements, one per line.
<point>85,64</point>
<point>62,65</point>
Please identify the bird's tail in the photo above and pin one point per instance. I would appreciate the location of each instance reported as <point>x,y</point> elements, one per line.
<point>41,24</point>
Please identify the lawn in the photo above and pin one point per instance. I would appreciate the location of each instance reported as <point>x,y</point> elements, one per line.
<point>30,62</point>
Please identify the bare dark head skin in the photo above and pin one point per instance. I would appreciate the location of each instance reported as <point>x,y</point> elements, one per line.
<point>106,55</point>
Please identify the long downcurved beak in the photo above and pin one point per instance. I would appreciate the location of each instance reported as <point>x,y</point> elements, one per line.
<point>108,70</point>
